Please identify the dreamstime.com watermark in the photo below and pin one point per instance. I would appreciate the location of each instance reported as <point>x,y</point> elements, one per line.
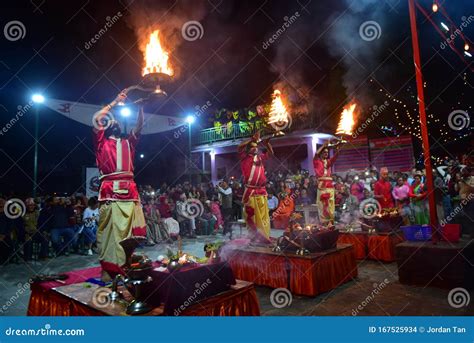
<point>377,288</point>
<point>22,289</point>
<point>46,331</point>
<point>459,297</point>
<point>376,111</point>
<point>457,209</point>
<point>454,34</point>
<point>369,208</point>
<point>21,111</point>
<point>14,30</point>
<point>370,30</point>
<point>274,37</point>
<point>190,300</point>
<point>110,22</point>
<point>281,297</point>
<point>459,120</point>
<point>192,30</point>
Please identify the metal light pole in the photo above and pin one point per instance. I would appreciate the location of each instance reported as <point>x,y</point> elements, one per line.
<point>37,99</point>
<point>190,120</point>
<point>423,121</point>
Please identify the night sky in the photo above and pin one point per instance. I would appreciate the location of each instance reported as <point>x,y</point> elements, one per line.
<point>320,61</point>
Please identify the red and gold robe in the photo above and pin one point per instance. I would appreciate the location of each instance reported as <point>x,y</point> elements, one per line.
<point>121,214</point>
<point>255,195</point>
<point>325,195</point>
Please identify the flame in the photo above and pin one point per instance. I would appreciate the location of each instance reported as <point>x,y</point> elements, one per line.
<point>346,123</point>
<point>156,58</point>
<point>278,112</point>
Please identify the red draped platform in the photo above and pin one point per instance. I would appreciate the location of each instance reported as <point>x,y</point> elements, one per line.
<point>374,246</point>
<point>305,275</point>
<point>74,298</point>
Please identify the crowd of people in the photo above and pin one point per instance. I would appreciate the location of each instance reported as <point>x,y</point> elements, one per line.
<point>53,226</point>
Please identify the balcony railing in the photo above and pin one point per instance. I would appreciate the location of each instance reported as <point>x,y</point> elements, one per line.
<point>227,132</point>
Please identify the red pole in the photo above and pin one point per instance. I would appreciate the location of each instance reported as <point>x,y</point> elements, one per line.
<point>423,122</point>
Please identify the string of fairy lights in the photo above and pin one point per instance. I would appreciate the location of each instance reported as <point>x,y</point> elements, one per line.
<point>407,117</point>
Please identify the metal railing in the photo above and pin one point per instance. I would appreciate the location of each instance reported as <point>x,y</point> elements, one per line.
<point>227,132</point>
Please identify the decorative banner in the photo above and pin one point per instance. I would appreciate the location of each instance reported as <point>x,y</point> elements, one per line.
<point>92,182</point>
<point>354,155</point>
<point>83,113</point>
<point>395,153</point>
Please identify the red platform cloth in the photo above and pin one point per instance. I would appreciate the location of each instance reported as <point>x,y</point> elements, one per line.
<point>359,241</point>
<point>261,269</point>
<point>382,247</point>
<point>44,301</point>
<point>315,276</point>
<point>306,275</point>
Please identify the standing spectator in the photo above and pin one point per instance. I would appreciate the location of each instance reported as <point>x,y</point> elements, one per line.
<point>402,200</point>
<point>211,191</point>
<point>225,197</point>
<point>90,222</point>
<point>32,234</point>
<point>6,228</point>
<point>237,205</point>
<point>466,193</point>
<point>383,190</point>
<point>357,188</point>
<point>418,193</point>
<point>216,211</point>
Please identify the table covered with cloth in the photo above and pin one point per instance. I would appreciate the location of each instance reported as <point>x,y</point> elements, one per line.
<point>309,275</point>
<point>170,291</point>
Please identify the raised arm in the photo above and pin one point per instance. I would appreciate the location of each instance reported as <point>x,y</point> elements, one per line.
<point>318,152</point>
<point>103,112</point>
<point>269,147</point>
<point>140,120</point>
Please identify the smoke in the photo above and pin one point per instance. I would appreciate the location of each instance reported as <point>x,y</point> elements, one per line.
<point>356,34</point>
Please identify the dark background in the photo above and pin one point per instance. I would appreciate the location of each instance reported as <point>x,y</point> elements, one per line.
<point>320,61</point>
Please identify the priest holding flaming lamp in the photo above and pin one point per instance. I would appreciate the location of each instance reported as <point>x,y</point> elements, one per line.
<point>323,163</point>
<point>121,214</point>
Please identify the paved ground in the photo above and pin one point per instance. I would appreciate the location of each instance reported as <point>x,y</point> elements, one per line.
<point>392,299</point>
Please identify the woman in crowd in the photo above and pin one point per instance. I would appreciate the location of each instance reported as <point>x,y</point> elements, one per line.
<point>402,200</point>
<point>216,211</point>
<point>418,193</point>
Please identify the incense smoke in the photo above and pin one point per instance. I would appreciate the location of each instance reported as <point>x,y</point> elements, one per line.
<point>356,36</point>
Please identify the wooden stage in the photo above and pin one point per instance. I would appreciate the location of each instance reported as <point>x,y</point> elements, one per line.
<point>304,275</point>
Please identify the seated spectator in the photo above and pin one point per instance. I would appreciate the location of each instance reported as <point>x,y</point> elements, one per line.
<point>303,198</point>
<point>272,202</point>
<point>207,220</point>
<point>187,226</point>
<point>170,224</point>
<point>62,232</point>
<point>90,222</point>
<point>286,206</point>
